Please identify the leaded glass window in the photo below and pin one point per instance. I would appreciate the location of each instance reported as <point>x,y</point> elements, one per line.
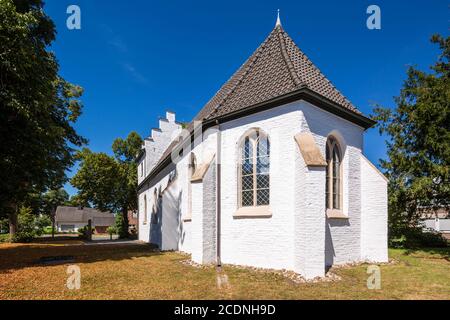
<point>255,170</point>
<point>333,175</point>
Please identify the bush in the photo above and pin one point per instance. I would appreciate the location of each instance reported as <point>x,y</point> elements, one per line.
<point>83,232</point>
<point>417,237</point>
<point>121,226</point>
<point>48,230</point>
<point>26,226</point>
<point>4,226</point>
<point>4,238</point>
<point>42,222</point>
<point>111,230</point>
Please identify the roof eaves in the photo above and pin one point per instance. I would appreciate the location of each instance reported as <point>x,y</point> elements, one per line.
<point>302,93</point>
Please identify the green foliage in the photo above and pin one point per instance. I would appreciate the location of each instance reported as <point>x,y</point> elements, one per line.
<point>100,180</point>
<point>416,238</point>
<point>42,222</point>
<point>126,150</point>
<point>47,230</point>
<point>418,147</point>
<point>52,199</point>
<point>83,232</point>
<point>27,229</point>
<point>4,238</point>
<point>4,226</point>
<point>38,107</point>
<point>121,226</point>
<point>111,230</point>
<point>110,183</point>
<point>77,201</point>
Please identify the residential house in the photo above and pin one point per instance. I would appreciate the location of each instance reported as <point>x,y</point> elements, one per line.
<point>70,219</point>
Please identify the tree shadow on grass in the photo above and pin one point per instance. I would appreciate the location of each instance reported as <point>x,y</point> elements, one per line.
<point>16,257</point>
<point>442,252</point>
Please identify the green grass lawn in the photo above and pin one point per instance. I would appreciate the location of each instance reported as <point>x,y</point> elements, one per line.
<point>138,272</point>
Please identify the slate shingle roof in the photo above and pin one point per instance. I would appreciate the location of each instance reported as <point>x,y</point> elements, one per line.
<point>276,68</point>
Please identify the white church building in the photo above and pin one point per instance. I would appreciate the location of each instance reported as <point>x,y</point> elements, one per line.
<point>270,173</point>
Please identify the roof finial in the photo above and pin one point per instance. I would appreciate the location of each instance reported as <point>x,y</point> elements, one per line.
<point>278,24</point>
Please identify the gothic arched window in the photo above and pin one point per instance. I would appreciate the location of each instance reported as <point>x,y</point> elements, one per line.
<point>333,175</point>
<point>145,209</point>
<point>254,170</point>
<point>191,169</point>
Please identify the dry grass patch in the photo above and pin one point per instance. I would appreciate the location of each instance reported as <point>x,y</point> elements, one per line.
<point>136,271</point>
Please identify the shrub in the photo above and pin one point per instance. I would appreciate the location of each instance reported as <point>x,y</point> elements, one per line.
<point>4,226</point>
<point>121,225</point>
<point>83,232</point>
<point>418,237</point>
<point>4,238</point>
<point>111,230</point>
<point>43,222</point>
<point>26,227</point>
<point>48,230</point>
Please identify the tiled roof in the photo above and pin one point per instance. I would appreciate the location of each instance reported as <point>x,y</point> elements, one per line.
<point>276,68</point>
<point>82,215</point>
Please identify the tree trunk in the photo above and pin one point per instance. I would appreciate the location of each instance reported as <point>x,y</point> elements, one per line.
<point>124,226</point>
<point>13,221</point>
<point>53,222</point>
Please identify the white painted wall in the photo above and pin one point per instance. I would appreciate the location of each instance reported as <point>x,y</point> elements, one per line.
<point>157,143</point>
<point>261,242</point>
<point>283,241</point>
<point>76,225</point>
<point>374,240</point>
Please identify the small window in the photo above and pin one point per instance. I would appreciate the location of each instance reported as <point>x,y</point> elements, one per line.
<point>254,170</point>
<point>333,175</point>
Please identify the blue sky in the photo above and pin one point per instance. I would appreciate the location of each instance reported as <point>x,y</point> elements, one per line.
<point>135,59</point>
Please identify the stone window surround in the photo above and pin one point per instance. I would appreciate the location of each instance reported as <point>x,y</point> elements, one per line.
<point>313,158</point>
<point>255,211</point>
<point>192,167</point>
<point>333,213</point>
<point>145,210</point>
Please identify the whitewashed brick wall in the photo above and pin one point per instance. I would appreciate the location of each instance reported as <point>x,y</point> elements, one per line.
<point>297,236</point>
<point>374,214</point>
<point>261,242</point>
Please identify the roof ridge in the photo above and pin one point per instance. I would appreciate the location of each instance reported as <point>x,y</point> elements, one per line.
<point>287,59</point>
<point>255,57</point>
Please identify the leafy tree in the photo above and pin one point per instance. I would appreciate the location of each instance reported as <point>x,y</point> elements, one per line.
<point>38,108</point>
<point>112,230</point>
<point>110,183</point>
<point>27,230</point>
<point>418,164</point>
<point>42,222</point>
<point>4,226</point>
<point>50,202</point>
<point>77,201</point>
